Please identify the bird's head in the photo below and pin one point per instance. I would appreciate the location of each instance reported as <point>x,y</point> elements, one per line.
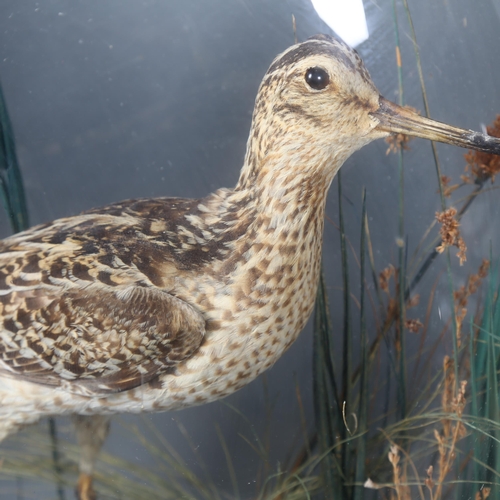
<point>317,105</point>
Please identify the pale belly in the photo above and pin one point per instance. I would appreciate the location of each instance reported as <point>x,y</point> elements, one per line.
<point>246,342</point>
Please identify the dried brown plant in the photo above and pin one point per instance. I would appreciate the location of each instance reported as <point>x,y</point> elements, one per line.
<point>393,309</point>
<point>447,188</point>
<point>413,301</point>
<point>401,489</point>
<point>413,325</point>
<point>482,494</point>
<point>397,142</point>
<point>453,430</point>
<point>461,296</point>
<point>385,276</point>
<point>450,233</point>
<point>429,481</point>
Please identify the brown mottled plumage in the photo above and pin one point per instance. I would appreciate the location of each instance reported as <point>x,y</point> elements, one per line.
<point>158,304</point>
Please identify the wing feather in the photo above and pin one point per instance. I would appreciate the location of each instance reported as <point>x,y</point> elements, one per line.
<point>98,339</point>
<point>85,302</point>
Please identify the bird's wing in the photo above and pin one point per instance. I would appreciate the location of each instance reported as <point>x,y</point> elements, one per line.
<point>97,339</point>
<point>87,302</point>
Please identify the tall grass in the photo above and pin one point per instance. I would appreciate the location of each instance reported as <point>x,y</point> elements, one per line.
<point>441,440</point>
<point>11,182</point>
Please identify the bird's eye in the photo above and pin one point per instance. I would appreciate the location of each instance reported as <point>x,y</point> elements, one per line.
<point>317,78</point>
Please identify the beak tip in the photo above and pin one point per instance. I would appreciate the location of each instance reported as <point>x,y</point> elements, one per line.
<point>483,142</point>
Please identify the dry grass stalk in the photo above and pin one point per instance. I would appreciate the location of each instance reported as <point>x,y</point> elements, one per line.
<point>392,313</point>
<point>447,188</point>
<point>461,296</point>
<point>429,481</point>
<point>384,279</point>
<point>450,234</point>
<point>452,403</point>
<point>482,494</point>
<point>401,489</point>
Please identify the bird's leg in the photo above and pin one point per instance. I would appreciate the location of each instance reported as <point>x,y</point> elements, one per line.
<point>91,432</point>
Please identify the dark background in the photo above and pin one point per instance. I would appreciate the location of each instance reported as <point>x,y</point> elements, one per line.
<point>126,98</point>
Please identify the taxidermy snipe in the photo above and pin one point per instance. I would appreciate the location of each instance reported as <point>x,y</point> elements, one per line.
<point>158,304</point>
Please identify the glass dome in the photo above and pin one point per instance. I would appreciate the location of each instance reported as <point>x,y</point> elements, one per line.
<point>123,99</point>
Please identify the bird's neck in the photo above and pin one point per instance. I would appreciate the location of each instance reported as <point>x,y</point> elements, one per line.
<point>288,188</point>
<point>278,203</point>
<point>286,204</point>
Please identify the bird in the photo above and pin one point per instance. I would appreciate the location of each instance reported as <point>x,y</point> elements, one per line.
<point>151,305</point>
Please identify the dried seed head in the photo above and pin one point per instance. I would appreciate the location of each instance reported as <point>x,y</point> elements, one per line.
<point>450,234</point>
<point>413,325</point>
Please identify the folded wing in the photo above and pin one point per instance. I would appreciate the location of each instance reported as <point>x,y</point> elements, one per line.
<point>97,339</point>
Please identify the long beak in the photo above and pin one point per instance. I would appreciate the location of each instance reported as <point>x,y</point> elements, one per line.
<point>399,120</point>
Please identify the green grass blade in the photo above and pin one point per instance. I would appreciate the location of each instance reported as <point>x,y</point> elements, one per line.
<point>492,396</point>
<point>11,182</point>
<point>327,414</point>
<point>484,388</point>
<point>360,476</point>
<point>474,407</point>
<point>229,462</point>
<point>426,102</point>
<point>401,248</point>
<point>347,368</point>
